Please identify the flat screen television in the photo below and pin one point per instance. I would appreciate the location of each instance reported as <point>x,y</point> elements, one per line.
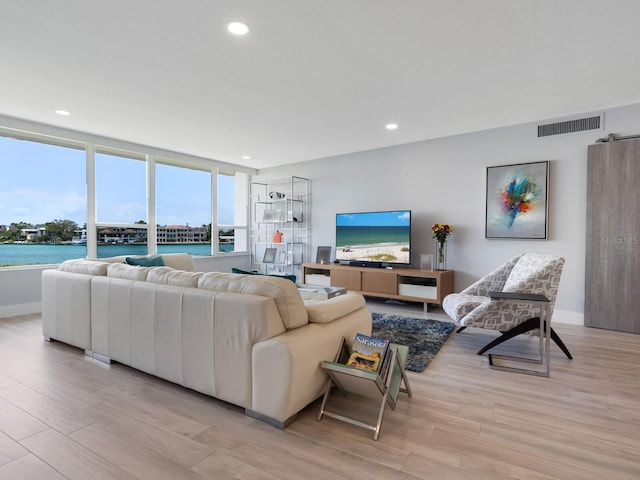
<point>375,237</point>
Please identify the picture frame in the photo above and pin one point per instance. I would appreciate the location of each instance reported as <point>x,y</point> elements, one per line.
<point>323,255</point>
<point>269,215</point>
<point>269,255</point>
<point>517,201</point>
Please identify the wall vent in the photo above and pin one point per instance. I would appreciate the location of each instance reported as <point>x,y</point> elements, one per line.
<point>569,126</point>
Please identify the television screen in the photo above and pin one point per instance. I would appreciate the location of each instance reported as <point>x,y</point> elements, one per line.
<point>374,236</point>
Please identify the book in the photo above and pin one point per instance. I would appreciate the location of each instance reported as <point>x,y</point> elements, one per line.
<point>269,215</point>
<point>367,352</point>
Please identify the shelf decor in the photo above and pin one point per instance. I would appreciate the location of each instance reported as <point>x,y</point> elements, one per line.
<point>441,232</point>
<point>516,205</point>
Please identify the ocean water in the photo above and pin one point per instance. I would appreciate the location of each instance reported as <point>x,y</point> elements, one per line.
<point>31,254</point>
<point>354,236</point>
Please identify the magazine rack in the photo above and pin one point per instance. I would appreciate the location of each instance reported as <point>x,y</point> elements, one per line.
<point>366,383</point>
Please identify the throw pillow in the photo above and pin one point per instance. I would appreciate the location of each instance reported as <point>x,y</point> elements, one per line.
<point>155,261</point>
<point>237,270</point>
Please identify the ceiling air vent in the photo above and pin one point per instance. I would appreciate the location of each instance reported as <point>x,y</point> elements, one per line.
<point>570,126</point>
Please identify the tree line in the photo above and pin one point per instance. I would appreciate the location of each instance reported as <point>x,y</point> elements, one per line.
<point>55,231</point>
<point>65,230</point>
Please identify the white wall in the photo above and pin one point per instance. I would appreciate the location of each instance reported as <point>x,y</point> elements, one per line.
<point>443,181</point>
<point>20,290</point>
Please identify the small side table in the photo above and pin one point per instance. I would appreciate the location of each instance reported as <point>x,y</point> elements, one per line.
<point>367,383</point>
<point>501,362</point>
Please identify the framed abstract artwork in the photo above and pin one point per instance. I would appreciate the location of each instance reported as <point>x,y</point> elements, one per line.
<point>517,201</point>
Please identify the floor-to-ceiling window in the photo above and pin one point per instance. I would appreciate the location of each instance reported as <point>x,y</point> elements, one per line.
<point>43,202</point>
<point>232,212</point>
<point>59,197</point>
<point>183,209</point>
<point>121,205</point>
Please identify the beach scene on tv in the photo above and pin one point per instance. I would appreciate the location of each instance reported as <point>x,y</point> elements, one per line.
<point>374,236</point>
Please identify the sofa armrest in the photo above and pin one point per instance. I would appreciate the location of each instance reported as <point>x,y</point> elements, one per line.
<point>325,311</point>
<point>66,307</point>
<point>286,368</point>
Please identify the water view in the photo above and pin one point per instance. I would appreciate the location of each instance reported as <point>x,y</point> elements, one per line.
<point>31,254</point>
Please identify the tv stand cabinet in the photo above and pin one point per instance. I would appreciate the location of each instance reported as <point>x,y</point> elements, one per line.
<point>409,284</point>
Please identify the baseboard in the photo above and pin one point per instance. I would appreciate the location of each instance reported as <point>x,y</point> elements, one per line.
<point>568,317</point>
<point>21,309</point>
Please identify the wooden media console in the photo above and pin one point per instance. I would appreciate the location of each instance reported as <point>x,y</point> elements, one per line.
<point>410,284</point>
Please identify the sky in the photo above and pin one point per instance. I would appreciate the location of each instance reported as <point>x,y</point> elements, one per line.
<point>41,183</point>
<point>400,218</point>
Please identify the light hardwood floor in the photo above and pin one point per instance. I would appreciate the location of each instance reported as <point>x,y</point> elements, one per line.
<point>63,415</point>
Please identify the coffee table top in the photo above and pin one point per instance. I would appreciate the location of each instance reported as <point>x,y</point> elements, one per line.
<point>319,292</point>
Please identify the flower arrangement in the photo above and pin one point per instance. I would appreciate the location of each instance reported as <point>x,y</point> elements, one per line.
<point>440,232</point>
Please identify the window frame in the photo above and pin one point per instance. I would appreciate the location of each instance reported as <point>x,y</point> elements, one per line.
<point>151,156</point>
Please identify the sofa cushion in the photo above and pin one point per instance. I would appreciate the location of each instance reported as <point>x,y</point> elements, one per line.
<point>169,276</point>
<point>127,272</point>
<point>293,278</point>
<point>88,267</point>
<point>177,261</point>
<point>325,311</point>
<point>118,259</point>
<point>151,261</point>
<point>285,294</point>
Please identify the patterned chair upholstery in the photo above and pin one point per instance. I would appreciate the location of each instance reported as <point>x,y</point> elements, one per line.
<point>525,273</point>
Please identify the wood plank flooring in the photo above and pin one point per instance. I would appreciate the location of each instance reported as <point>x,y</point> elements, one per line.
<point>66,416</point>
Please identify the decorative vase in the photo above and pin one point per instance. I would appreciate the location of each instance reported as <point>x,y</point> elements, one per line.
<point>441,255</point>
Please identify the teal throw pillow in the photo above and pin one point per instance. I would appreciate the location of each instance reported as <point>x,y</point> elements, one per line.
<point>288,277</point>
<point>237,270</point>
<point>155,261</point>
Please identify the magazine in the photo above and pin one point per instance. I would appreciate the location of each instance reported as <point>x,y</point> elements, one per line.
<point>367,352</point>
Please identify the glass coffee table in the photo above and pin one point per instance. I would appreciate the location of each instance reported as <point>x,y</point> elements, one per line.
<point>319,292</point>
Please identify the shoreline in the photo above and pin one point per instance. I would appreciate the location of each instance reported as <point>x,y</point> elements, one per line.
<point>46,254</point>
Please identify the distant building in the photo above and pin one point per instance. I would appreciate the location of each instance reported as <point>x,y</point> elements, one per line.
<point>80,237</point>
<point>181,234</point>
<point>165,234</point>
<point>29,234</point>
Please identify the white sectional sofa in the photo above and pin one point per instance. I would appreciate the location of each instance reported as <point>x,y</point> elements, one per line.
<point>248,340</point>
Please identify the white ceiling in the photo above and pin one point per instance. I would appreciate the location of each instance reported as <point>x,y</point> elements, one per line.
<point>313,78</point>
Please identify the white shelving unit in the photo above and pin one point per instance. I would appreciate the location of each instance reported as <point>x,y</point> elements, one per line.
<point>280,205</point>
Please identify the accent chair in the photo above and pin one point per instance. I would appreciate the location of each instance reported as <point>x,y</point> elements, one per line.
<point>528,273</point>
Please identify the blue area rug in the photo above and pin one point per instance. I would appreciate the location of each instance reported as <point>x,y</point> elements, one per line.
<point>423,337</point>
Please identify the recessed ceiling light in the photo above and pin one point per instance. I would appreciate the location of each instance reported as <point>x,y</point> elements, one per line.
<point>246,157</point>
<point>238,28</point>
<point>391,126</point>
<point>63,112</point>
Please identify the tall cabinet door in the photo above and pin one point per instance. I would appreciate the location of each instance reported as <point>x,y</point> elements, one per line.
<point>612,286</point>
